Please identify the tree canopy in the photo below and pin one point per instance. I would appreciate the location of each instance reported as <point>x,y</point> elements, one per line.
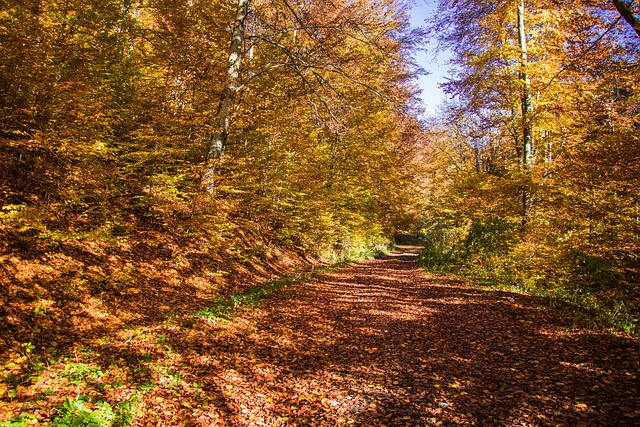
<point>290,113</point>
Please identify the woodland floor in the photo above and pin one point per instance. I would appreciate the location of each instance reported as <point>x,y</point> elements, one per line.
<point>378,343</point>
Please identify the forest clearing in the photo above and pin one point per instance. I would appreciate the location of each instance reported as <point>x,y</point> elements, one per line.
<point>239,212</point>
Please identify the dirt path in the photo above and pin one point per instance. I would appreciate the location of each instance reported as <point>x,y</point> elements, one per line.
<point>383,343</point>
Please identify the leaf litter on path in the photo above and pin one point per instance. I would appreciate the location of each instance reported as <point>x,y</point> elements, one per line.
<point>382,343</point>
<point>379,343</point>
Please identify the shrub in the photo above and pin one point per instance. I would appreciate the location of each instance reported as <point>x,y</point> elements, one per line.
<point>442,248</point>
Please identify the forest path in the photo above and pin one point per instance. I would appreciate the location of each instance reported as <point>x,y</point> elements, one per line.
<point>384,343</point>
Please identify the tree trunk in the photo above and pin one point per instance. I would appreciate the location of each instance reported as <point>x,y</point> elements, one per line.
<point>527,113</point>
<point>527,107</point>
<point>625,10</point>
<point>218,141</point>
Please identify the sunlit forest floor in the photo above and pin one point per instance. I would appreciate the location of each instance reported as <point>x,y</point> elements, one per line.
<point>379,342</point>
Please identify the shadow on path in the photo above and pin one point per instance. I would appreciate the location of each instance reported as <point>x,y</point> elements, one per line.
<point>384,343</point>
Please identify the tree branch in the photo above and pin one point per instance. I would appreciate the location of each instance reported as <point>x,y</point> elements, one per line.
<point>625,11</point>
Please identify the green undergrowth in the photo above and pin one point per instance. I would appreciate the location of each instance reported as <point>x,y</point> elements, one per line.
<point>20,421</point>
<point>588,308</point>
<point>84,412</point>
<point>599,308</point>
<point>493,253</point>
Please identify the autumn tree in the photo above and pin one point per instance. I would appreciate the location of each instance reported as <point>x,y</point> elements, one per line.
<point>534,88</point>
<point>306,41</point>
<point>310,103</point>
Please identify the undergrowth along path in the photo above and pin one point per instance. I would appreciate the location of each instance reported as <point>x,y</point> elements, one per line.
<point>384,343</point>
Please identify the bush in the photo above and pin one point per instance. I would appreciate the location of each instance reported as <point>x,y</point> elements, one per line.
<point>442,248</point>
<point>493,236</point>
<point>595,272</point>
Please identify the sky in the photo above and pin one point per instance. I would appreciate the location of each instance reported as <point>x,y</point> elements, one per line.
<point>431,95</point>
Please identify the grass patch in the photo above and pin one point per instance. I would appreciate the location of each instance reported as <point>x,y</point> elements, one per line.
<point>610,312</point>
<point>224,308</point>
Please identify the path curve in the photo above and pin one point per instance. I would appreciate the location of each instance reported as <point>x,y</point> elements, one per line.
<point>384,343</point>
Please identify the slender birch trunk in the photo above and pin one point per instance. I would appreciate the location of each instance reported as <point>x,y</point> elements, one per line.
<point>218,141</point>
<point>527,113</point>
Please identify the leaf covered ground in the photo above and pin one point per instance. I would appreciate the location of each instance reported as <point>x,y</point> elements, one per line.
<point>377,343</point>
